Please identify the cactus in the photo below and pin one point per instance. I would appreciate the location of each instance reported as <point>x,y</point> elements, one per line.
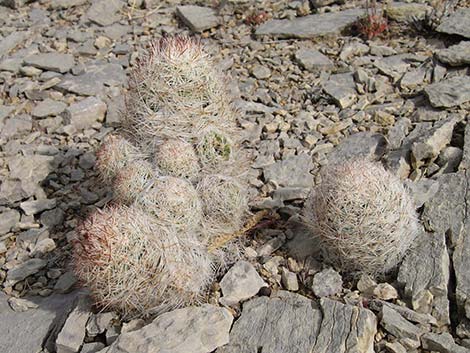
<point>134,265</point>
<point>114,154</point>
<point>363,216</point>
<point>174,201</point>
<point>224,203</point>
<point>176,158</point>
<point>150,252</point>
<point>132,181</point>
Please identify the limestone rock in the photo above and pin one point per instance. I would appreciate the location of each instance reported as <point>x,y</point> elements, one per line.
<point>8,220</point>
<point>194,329</point>
<point>27,268</point>
<point>310,26</point>
<point>457,23</point>
<point>51,61</point>
<point>442,343</point>
<point>313,60</point>
<point>26,332</point>
<point>197,18</point>
<point>111,8</point>
<point>72,334</point>
<point>327,283</point>
<point>367,145</point>
<point>342,89</point>
<point>397,325</point>
<point>428,146</point>
<point>450,92</point>
<point>36,206</point>
<point>290,323</point>
<point>241,282</point>
<point>292,171</point>
<point>406,12</point>
<point>426,268</point>
<point>455,55</point>
<point>86,112</point>
<point>11,41</point>
<point>65,4</point>
<point>48,107</point>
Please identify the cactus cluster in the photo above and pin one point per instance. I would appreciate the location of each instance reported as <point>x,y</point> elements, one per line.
<point>178,185</point>
<point>363,216</point>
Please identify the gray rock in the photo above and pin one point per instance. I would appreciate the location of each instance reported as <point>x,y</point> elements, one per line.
<point>241,282</point>
<point>407,12</point>
<point>65,4</point>
<point>414,79</point>
<point>457,23</point>
<point>72,334</point>
<point>11,41</point>
<point>407,313</point>
<point>92,82</point>
<point>465,164</point>
<point>289,280</point>
<point>261,72</point>
<point>111,8</point>
<point>271,245</point>
<point>395,347</point>
<point>449,159</point>
<point>313,60</point>
<point>93,347</point>
<point>48,107</point>
<point>310,26</point>
<point>327,283</point>
<point>66,282</point>
<point>23,270</point>
<point>290,323</point>
<point>8,220</point>
<point>442,343</point>
<point>194,329</point>
<point>422,190</point>
<point>427,147</point>
<point>455,55</point>
<point>115,108</point>
<point>33,168</point>
<point>26,332</point>
<point>197,18</point>
<point>393,66</point>
<point>28,239</point>
<point>5,111</point>
<point>292,171</point>
<point>366,145</point>
<point>16,126</point>
<point>21,305</point>
<point>86,112</point>
<point>37,206</point>
<point>397,133</point>
<point>51,61</point>
<point>99,323</point>
<point>449,93</point>
<point>52,218</point>
<point>342,89</point>
<point>424,272</point>
<point>407,333</point>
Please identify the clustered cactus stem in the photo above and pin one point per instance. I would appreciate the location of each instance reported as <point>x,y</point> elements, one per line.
<point>363,217</point>
<point>178,179</point>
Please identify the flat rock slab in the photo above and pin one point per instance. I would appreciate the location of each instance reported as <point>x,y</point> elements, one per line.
<point>362,145</point>
<point>457,23</point>
<point>292,171</point>
<point>342,89</point>
<point>291,323</point>
<point>313,60</point>
<point>105,12</point>
<point>455,55</point>
<point>92,82</point>
<point>424,274</point>
<point>51,61</point>
<point>310,26</point>
<point>48,107</point>
<point>11,41</point>
<point>449,93</point>
<point>197,18</point>
<point>194,329</point>
<point>26,332</point>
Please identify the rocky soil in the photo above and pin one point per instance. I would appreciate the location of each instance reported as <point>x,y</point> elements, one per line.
<point>310,92</point>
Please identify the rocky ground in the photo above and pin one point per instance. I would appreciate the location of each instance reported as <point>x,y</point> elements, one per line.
<point>310,91</point>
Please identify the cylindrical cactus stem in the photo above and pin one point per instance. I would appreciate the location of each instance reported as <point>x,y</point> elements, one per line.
<point>133,180</point>
<point>175,157</point>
